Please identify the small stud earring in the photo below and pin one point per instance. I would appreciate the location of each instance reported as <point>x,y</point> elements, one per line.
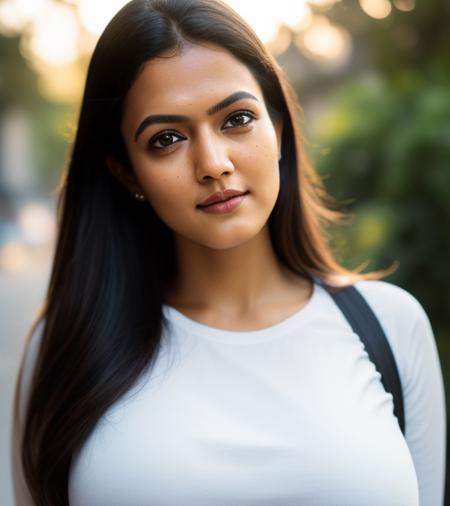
<point>140,197</point>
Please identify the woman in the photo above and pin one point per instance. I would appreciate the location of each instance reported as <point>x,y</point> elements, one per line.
<point>186,352</point>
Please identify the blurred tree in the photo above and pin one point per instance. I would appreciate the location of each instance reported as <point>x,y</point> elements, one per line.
<point>19,88</point>
<point>383,146</point>
<point>388,162</point>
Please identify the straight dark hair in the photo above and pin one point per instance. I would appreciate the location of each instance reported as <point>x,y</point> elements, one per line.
<point>114,257</point>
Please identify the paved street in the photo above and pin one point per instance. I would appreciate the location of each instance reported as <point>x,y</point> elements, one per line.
<point>20,295</point>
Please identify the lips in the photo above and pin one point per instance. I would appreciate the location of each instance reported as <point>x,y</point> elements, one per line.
<point>221,197</point>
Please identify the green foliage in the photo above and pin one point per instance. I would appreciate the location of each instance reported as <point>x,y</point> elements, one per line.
<point>18,83</point>
<point>388,161</point>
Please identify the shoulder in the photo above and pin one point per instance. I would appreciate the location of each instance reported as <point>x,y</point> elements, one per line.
<point>386,298</point>
<point>405,323</point>
<point>399,312</point>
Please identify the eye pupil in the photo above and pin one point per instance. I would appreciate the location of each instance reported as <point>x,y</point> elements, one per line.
<point>166,139</point>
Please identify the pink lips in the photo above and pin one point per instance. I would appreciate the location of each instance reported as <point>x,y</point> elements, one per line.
<point>223,202</point>
<point>220,196</point>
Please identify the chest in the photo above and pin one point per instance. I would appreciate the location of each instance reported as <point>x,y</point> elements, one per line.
<point>303,421</point>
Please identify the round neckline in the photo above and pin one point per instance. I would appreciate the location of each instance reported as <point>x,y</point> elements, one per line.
<point>278,329</point>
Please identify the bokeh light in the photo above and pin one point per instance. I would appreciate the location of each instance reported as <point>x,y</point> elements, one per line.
<point>378,9</point>
<point>54,37</point>
<point>15,15</point>
<point>37,224</point>
<point>325,41</point>
<point>404,5</point>
<point>269,16</point>
<point>95,15</point>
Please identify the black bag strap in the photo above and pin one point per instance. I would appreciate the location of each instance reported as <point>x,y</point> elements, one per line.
<point>366,325</point>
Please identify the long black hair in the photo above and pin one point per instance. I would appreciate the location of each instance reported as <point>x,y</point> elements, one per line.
<point>114,257</point>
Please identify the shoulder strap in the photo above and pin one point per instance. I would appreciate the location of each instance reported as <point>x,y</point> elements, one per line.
<point>366,325</point>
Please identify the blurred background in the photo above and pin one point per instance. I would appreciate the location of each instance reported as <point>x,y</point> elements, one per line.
<point>373,79</point>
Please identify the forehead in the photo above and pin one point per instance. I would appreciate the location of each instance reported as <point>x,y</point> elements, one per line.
<point>194,78</point>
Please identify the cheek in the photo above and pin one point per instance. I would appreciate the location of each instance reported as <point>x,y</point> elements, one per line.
<point>168,195</point>
<point>167,191</point>
<point>263,167</point>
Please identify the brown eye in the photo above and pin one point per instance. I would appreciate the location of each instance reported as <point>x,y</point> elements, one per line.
<point>164,140</point>
<point>238,119</point>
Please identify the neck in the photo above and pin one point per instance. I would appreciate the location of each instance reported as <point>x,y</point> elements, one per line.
<point>237,280</point>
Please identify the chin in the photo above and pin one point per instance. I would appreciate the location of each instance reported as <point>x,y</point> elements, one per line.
<point>232,238</point>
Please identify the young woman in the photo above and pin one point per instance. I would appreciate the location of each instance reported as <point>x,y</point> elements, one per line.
<point>186,353</point>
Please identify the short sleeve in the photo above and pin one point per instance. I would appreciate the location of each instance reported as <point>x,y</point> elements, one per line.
<point>409,332</point>
<point>29,356</point>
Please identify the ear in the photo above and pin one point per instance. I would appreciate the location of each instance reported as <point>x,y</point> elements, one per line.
<point>278,125</point>
<point>124,175</point>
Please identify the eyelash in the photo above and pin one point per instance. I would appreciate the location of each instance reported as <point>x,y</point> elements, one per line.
<point>172,134</point>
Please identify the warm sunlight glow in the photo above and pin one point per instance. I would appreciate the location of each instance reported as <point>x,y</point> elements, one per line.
<point>58,34</point>
<point>267,17</point>
<point>377,9</point>
<point>54,38</point>
<point>61,83</point>
<point>96,15</point>
<point>264,17</point>
<point>281,42</point>
<point>323,3</point>
<point>16,14</point>
<point>325,41</point>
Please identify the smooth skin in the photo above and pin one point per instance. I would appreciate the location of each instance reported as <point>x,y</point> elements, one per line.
<point>229,276</point>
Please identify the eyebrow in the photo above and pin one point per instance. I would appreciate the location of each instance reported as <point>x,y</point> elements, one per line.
<point>178,118</point>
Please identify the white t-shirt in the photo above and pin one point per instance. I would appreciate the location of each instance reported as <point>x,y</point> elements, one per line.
<point>290,415</point>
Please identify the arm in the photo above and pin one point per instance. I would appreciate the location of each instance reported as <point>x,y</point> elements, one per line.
<point>410,335</point>
<point>20,490</point>
<point>425,411</point>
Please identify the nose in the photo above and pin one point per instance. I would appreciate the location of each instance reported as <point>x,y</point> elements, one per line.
<point>211,157</point>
